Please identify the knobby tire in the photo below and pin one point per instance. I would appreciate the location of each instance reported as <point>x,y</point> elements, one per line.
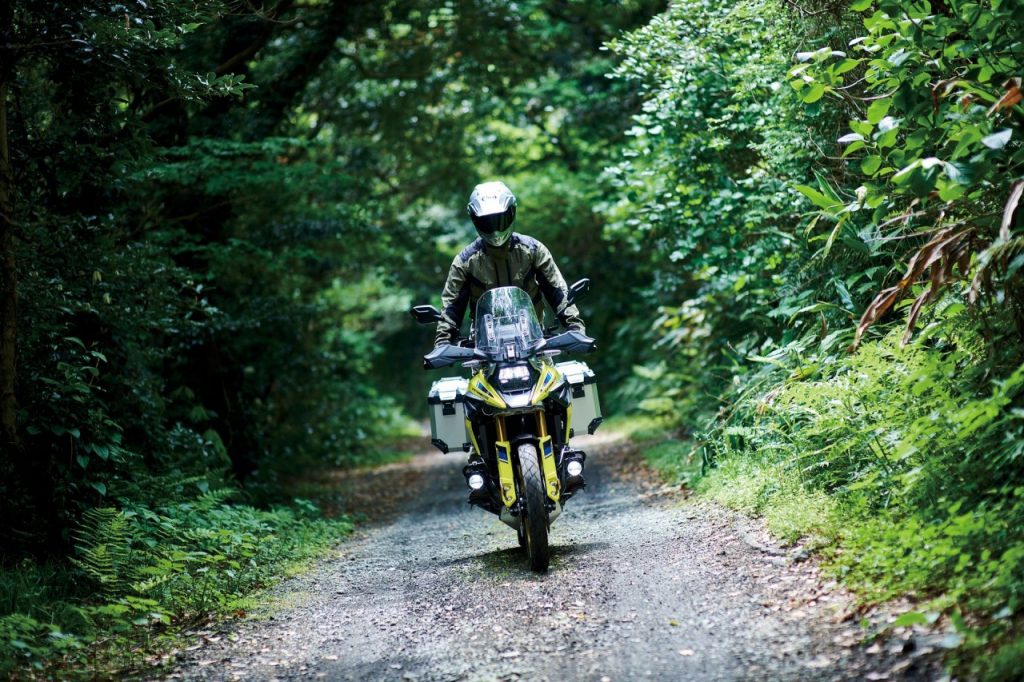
<point>535,515</point>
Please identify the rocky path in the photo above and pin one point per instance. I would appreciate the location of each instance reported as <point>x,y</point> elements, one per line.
<point>643,585</point>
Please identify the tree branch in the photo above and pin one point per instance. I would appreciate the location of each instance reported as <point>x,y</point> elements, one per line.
<point>269,22</point>
<point>277,96</point>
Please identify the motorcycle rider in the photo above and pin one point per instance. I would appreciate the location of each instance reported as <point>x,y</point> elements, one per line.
<point>500,257</point>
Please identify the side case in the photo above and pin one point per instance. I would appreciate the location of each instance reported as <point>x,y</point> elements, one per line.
<point>586,406</point>
<point>447,413</point>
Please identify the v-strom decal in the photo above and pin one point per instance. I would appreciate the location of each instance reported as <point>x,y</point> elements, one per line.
<point>481,389</point>
<point>548,380</point>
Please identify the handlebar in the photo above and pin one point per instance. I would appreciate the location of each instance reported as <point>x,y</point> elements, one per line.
<point>449,354</point>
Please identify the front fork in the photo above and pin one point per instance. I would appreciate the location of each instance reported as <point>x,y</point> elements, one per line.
<point>506,474</point>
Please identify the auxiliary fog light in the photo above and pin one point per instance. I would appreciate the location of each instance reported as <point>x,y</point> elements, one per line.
<point>574,467</point>
<point>476,481</point>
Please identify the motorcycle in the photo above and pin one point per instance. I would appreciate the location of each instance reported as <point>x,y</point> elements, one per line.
<point>516,412</point>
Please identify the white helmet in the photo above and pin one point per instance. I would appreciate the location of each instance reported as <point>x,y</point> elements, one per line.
<point>492,208</point>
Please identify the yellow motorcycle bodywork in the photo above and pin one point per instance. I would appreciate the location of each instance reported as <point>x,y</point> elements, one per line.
<point>480,388</point>
<point>549,378</point>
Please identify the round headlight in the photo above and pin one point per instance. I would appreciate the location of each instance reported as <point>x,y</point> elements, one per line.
<point>574,467</point>
<point>476,481</point>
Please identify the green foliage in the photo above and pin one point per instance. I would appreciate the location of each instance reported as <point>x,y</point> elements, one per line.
<point>25,639</point>
<point>792,174</point>
<point>104,551</point>
<point>903,461</point>
<point>676,460</point>
<point>141,572</point>
<point>715,235</point>
<point>932,96</point>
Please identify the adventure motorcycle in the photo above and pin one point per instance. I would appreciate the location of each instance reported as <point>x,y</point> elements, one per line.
<point>516,413</point>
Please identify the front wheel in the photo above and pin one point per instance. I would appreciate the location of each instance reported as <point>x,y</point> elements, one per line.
<point>534,512</point>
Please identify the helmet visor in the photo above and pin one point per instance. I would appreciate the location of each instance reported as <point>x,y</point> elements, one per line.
<point>495,222</point>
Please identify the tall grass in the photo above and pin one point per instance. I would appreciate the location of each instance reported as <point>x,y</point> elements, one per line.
<point>905,463</point>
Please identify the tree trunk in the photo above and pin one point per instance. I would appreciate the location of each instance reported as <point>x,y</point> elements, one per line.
<point>8,288</point>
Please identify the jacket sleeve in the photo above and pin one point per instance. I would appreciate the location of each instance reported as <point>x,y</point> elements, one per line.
<point>555,290</point>
<point>454,299</point>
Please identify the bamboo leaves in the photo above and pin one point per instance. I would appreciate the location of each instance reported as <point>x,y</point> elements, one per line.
<point>947,248</point>
<point>1010,210</point>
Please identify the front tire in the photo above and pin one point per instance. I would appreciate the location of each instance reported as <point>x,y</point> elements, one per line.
<point>534,518</point>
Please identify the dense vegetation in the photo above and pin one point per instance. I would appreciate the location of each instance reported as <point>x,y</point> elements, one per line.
<point>801,220</point>
<point>832,201</point>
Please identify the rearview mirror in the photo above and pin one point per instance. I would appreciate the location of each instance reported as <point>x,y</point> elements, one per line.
<point>425,314</point>
<point>578,290</point>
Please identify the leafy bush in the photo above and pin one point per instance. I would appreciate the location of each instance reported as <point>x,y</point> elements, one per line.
<point>911,456</point>
<point>934,132</point>
<point>141,571</point>
<point>794,171</point>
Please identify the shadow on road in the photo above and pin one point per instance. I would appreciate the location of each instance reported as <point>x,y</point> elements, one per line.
<point>513,559</point>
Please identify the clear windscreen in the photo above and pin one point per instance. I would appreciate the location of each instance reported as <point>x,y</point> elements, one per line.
<point>505,317</point>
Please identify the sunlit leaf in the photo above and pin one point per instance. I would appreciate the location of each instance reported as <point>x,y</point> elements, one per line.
<point>878,109</point>
<point>998,140</point>
<point>813,93</point>
<point>869,165</point>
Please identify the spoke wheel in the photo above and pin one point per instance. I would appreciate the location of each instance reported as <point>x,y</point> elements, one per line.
<point>534,514</point>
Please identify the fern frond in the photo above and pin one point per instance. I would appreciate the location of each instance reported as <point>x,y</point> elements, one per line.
<point>214,498</point>
<point>103,541</point>
<point>143,586</point>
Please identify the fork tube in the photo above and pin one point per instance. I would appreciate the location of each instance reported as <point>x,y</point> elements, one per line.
<point>542,424</point>
<point>506,475</point>
<point>547,459</point>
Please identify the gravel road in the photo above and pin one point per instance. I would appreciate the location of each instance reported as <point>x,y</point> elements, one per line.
<point>643,584</point>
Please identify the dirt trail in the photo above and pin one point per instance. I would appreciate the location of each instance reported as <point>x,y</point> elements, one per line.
<point>643,585</point>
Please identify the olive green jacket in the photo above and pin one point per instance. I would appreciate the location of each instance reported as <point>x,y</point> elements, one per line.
<point>522,262</point>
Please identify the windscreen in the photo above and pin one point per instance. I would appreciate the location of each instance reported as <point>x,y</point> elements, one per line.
<point>506,323</point>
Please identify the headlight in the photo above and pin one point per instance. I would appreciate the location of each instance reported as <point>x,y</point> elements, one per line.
<point>514,373</point>
<point>574,467</point>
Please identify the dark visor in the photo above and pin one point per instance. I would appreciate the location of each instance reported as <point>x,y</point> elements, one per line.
<point>496,222</point>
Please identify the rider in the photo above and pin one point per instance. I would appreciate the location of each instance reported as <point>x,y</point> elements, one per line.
<point>500,258</point>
